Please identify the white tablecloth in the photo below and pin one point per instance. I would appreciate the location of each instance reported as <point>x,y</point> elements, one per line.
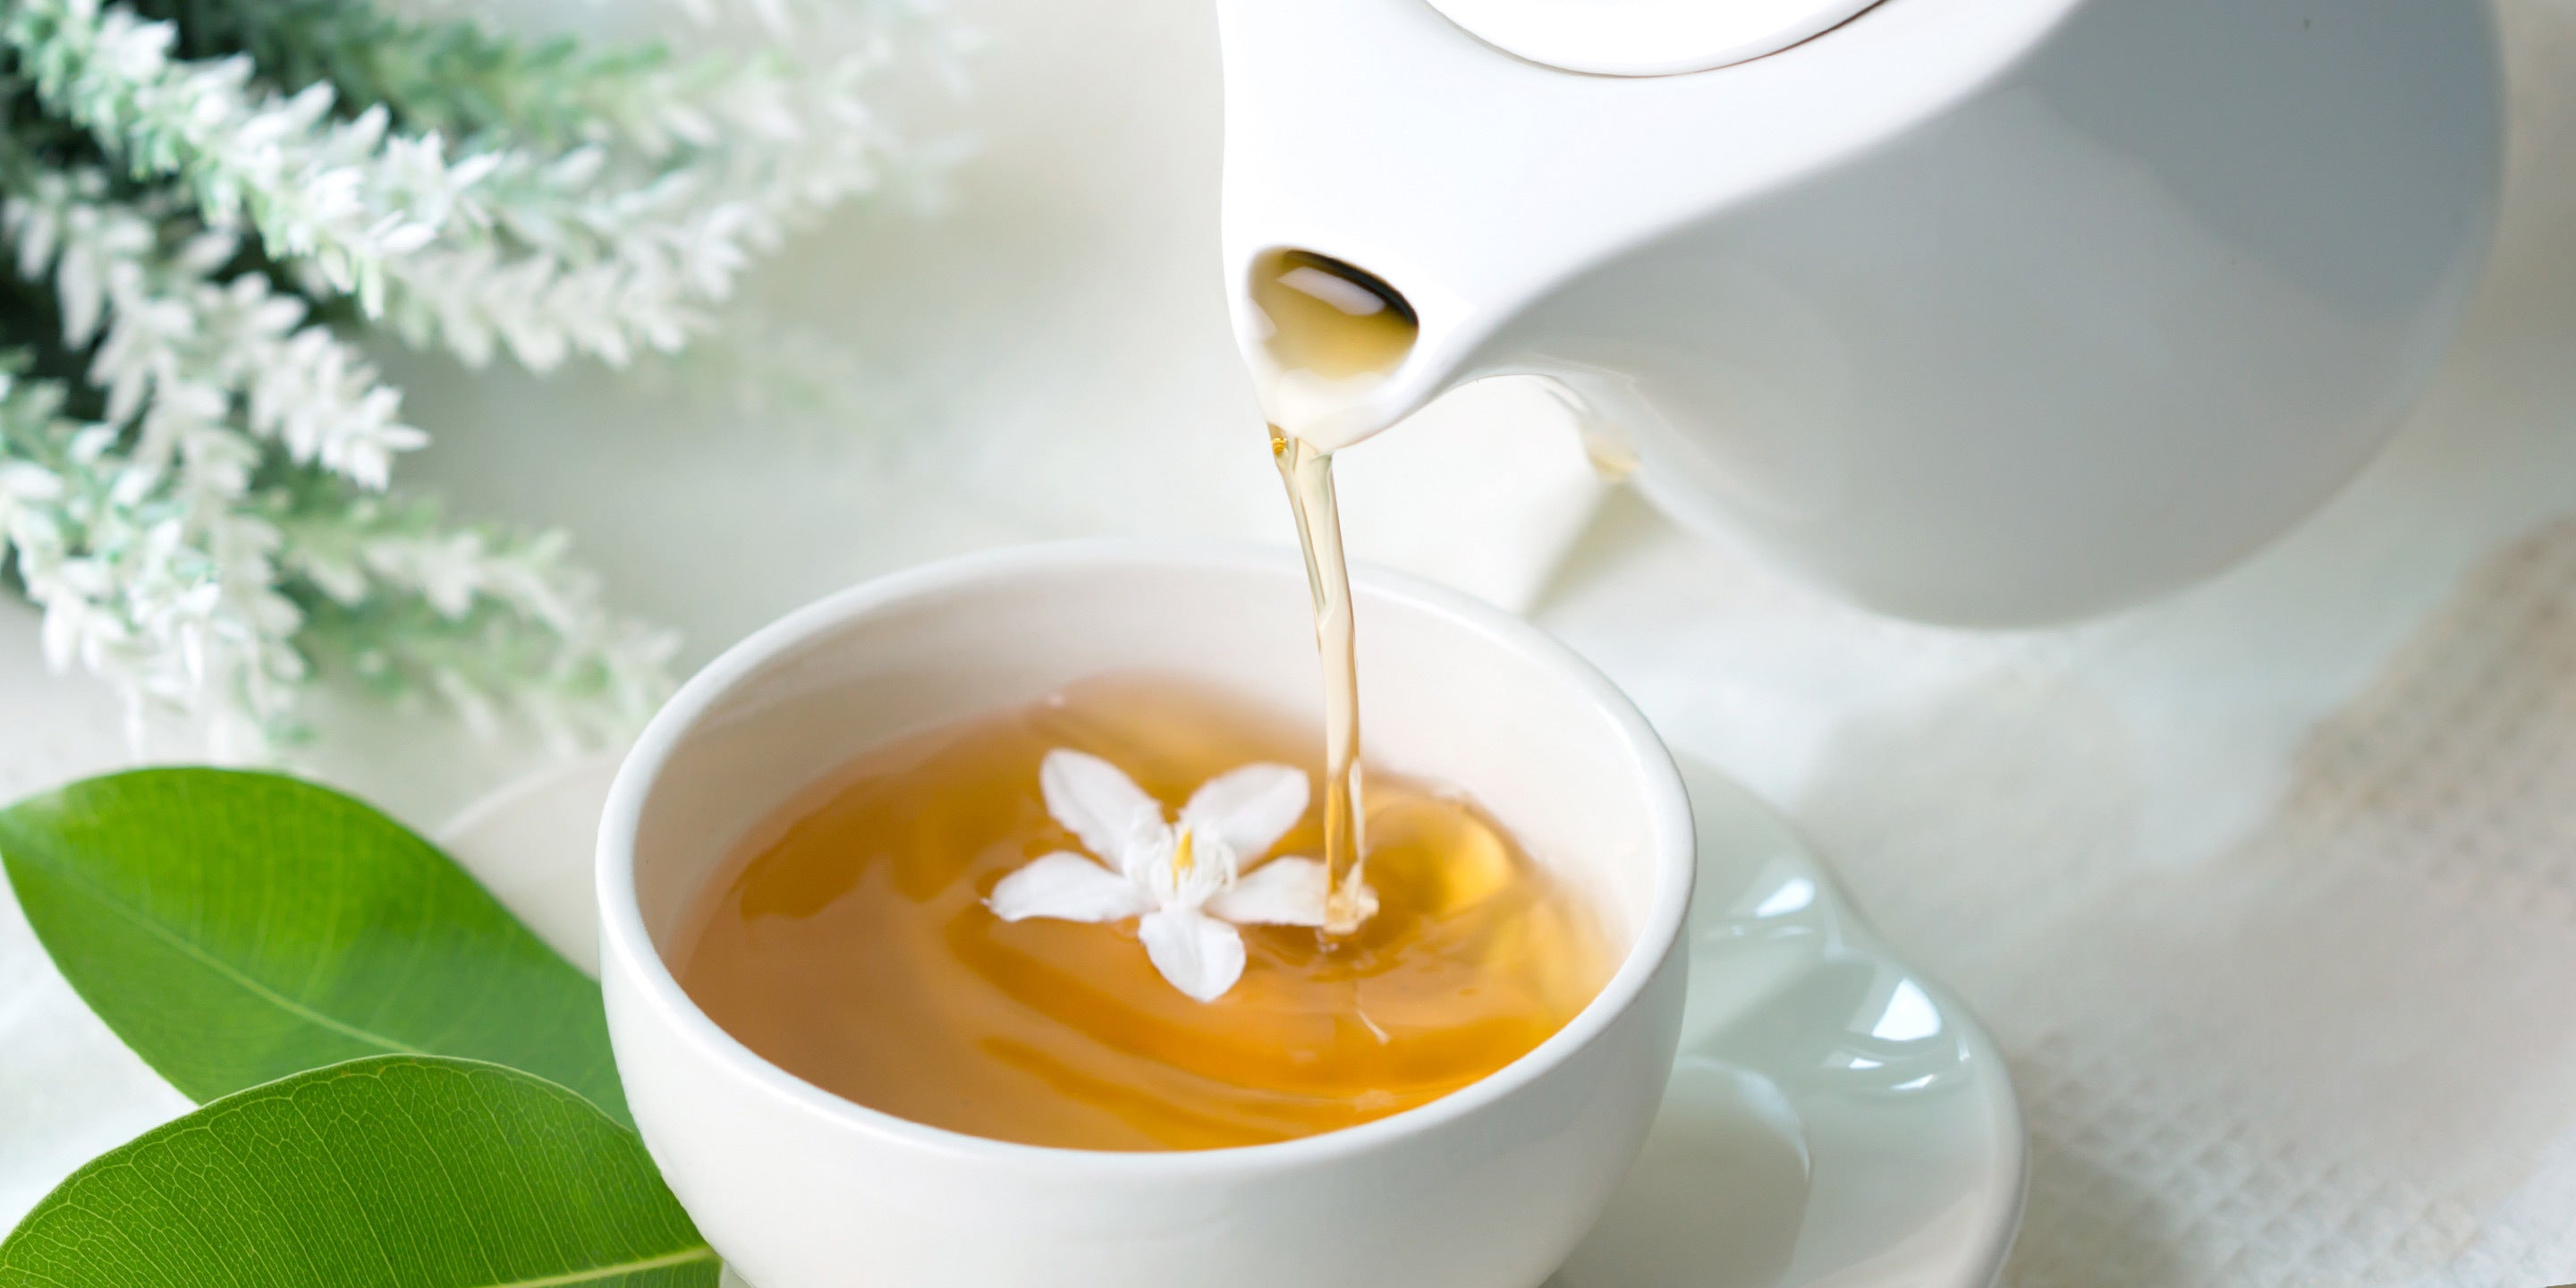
<point>2268,891</point>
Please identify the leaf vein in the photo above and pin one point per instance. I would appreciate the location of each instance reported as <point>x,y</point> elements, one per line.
<point>685,1256</point>
<point>226,969</point>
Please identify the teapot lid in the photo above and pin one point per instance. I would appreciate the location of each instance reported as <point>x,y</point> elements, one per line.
<point>1646,37</point>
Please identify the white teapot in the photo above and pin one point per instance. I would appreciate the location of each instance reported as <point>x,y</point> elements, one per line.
<point>1984,311</point>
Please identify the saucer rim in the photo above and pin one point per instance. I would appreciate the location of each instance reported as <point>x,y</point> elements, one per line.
<point>490,835</point>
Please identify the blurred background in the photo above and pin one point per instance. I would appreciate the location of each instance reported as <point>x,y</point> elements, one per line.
<point>2268,890</point>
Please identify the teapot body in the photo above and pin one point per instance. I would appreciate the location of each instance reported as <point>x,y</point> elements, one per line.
<point>2125,291</point>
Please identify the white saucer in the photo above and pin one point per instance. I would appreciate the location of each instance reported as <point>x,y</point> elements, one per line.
<point>1834,1117</point>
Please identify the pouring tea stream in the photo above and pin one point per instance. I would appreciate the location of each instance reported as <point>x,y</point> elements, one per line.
<point>1328,335</point>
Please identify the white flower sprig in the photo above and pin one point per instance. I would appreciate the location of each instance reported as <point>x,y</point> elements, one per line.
<point>489,621</point>
<point>171,338</point>
<point>1186,882</point>
<point>156,591</point>
<point>347,195</point>
<point>160,569</point>
<point>501,246</point>
<point>201,525</point>
<point>609,251</point>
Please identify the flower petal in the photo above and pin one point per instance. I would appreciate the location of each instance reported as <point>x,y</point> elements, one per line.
<point>1282,892</point>
<point>1201,956</point>
<point>1251,807</point>
<point>1146,854</point>
<point>1095,801</point>
<point>1068,887</point>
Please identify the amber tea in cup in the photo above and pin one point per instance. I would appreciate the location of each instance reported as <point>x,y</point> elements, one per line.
<point>858,937</point>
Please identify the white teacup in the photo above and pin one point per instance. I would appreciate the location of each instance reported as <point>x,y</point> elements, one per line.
<point>1489,1187</point>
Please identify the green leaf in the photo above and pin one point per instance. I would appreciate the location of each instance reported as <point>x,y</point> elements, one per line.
<point>234,928</point>
<point>399,1171</point>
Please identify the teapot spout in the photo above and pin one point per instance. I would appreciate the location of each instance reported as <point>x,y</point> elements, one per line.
<point>1326,130</point>
<point>1477,184</point>
<point>1337,352</point>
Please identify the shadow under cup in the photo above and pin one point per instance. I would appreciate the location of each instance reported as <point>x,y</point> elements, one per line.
<point>1489,1187</point>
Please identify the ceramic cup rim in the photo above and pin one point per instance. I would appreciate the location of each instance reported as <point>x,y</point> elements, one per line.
<point>623,936</point>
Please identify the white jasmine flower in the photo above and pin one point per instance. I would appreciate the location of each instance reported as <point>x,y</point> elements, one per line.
<point>1186,880</point>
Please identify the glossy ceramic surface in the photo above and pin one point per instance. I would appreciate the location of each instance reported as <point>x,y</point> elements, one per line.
<point>1490,1186</point>
<point>1984,311</point>
<point>1833,1117</point>
<point>1645,37</point>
